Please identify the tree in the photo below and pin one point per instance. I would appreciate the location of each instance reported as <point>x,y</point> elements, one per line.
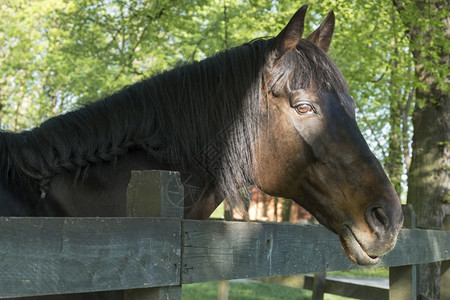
<point>22,50</point>
<point>56,55</point>
<point>428,31</point>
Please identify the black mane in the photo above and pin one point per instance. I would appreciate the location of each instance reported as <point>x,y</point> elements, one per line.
<point>199,117</point>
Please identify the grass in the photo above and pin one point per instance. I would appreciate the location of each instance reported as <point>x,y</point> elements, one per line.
<point>250,290</point>
<point>253,290</point>
<point>244,290</point>
<point>218,213</point>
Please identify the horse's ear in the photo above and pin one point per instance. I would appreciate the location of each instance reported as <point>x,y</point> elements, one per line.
<point>322,36</point>
<point>291,35</point>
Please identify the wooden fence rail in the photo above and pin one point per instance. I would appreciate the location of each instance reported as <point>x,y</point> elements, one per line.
<point>44,256</point>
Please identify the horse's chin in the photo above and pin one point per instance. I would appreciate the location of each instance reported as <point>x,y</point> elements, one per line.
<point>350,244</point>
<point>354,250</point>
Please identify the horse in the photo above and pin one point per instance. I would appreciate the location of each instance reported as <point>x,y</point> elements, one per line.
<point>274,113</point>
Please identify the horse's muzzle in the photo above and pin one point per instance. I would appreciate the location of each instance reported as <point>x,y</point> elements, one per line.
<point>365,244</point>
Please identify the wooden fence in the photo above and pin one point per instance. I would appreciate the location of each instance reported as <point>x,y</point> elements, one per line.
<point>156,255</point>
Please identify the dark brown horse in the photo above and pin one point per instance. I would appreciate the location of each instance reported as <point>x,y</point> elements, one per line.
<point>273,113</point>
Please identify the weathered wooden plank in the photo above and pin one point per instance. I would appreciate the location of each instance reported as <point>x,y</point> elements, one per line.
<point>46,256</point>
<point>358,290</point>
<point>42,256</point>
<point>418,246</point>
<point>228,250</point>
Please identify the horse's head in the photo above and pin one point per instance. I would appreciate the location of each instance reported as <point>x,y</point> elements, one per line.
<point>310,148</point>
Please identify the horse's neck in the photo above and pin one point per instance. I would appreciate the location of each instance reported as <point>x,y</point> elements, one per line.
<point>99,190</point>
<point>17,201</point>
<point>16,197</point>
<point>102,191</point>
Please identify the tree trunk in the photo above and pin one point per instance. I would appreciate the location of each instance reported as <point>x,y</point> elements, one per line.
<point>428,178</point>
<point>1,111</point>
<point>394,165</point>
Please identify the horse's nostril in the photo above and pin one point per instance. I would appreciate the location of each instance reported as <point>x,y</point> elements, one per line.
<point>380,216</point>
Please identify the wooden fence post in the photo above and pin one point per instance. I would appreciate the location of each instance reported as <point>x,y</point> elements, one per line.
<point>155,194</point>
<point>223,290</point>
<point>403,283</point>
<point>445,279</point>
<point>319,285</point>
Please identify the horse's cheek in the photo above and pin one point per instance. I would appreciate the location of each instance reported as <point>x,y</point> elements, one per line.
<point>280,158</point>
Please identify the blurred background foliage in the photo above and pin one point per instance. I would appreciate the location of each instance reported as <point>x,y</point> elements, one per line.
<point>56,55</point>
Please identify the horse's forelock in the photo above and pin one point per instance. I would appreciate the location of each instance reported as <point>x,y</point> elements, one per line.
<point>306,64</point>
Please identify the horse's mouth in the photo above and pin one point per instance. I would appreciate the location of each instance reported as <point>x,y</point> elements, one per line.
<point>354,250</point>
<point>350,244</point>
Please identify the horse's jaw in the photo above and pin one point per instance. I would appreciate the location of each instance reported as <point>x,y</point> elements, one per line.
<point>355,250</point>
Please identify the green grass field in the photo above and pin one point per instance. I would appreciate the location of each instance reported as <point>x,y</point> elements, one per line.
<point>243,291</point>
<point>252,290</point>
<point>249,291</point>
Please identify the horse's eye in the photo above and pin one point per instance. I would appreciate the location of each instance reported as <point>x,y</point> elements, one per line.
<point>304,108</point>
